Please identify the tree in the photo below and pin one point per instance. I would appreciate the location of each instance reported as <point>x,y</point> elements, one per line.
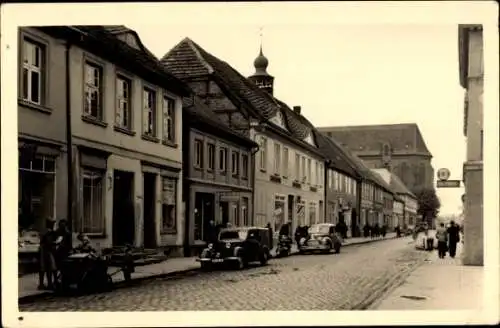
<point>428,204</point>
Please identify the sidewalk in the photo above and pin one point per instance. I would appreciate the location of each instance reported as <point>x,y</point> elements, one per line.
<point>27,284</point>
<point>439,284</point>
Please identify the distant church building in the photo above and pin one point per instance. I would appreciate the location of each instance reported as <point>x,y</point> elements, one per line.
<point>400,148</point>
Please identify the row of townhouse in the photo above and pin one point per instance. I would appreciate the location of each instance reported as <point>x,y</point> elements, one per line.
<point>299,174</point>
<point>135,150</point>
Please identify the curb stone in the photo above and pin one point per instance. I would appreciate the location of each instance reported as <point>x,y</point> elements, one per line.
<point>377,297</point>
<point>123,284</point>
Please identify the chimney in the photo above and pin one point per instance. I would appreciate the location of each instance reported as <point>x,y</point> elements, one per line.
<point>296,109</point>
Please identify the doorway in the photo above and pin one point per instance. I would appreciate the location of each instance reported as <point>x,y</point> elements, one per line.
<point>123,208</point>
<point>149,209</point>
<point>203,214</point>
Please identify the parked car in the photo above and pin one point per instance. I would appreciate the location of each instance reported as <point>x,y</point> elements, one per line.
<point>237,246</point>
<point>321,237</point>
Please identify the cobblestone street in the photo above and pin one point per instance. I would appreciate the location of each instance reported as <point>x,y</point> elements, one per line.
<point>303,282</point>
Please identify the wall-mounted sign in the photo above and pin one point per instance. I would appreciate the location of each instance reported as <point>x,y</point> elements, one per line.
<point>448,184</point>
<point>443,174</point>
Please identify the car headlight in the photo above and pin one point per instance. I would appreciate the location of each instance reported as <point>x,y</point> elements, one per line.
<point>210,246</point>
<point>228,245</point>
<point>302,241</point>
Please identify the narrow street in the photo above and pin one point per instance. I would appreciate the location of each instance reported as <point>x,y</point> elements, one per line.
<point>303,282</point>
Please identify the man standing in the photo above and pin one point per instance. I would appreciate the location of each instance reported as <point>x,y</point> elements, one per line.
<point>453,238</point>
<point>442,238</point>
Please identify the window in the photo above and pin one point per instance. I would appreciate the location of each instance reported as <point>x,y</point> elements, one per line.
<point>235,160</point>
<point>354,187</point>
<point>31,78</point>
<point>211,156</point>
<point>285,162</point>
<point>309,170</point>
<point>386,150</point>
<point>330,178</point>
<point>277,158</point>
<point>222,159</point>
<point>92,220</point>
<point>335,180</point>
<point>297,167</point>
<point>263,153</point>
<point>168,210</point>
<point>321,175</point>
<point>93,91</point>
<point>236,219</point>
<point>149,113</point>
<point>123,113</point>
<point>316,171</point>
<point>244,211</point>
<point>198,153</point>
<point>303,166</point>
<point>169,120</point>
<point>244,164</point>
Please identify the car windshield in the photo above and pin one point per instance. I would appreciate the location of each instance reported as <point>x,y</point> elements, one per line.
<point>319,228</point>
<point>233,234</point>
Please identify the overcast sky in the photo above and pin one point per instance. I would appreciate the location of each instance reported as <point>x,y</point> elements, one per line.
<point>351,74</point>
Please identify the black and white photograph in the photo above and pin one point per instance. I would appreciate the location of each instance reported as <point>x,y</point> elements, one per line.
<point>318,162</point>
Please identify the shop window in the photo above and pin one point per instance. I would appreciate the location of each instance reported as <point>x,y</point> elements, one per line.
<point>279,211</point>
<point>168,211</point>
<point>36,189</point>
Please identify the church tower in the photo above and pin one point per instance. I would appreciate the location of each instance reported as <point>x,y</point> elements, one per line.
<point>261,78</point>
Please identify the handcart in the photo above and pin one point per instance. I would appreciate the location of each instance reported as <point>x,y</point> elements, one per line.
<point>85,273</point>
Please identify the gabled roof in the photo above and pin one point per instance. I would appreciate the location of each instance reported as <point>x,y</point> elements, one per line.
<point>118,30</point>
<point>398,136</point>
<point>103,43</point>
<point>335,155</point>
<point>199,112</point>
<point>381,182</point>
<point>187,60</point>
<point>396,184</point>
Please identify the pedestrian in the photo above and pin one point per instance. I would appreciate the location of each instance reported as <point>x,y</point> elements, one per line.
<point>429,240</point>
<point>63,241</point>
<point>366,231</point>
<point>453,238</point>
<point>376,230</point>
<point>384,230</point>
<point>398,231</point>
<point>442,238</point>
<point>47,258</point>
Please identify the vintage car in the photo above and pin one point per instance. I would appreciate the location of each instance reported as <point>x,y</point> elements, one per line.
<point>237,247</point>
<point>321,237</point>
